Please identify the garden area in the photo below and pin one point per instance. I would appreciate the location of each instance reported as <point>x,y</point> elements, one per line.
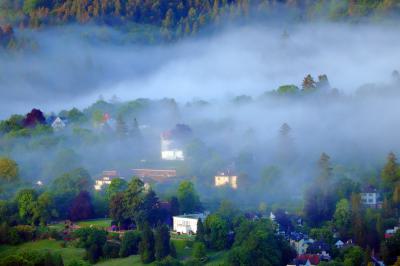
<point>72,253</point>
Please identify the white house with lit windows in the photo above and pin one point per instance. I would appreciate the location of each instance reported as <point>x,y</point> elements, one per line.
<point>105,179</point>
<point>370,197</point>
<point>187,223</point>
<point>225,179</point>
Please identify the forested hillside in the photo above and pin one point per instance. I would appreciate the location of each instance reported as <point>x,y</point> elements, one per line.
<point>178,18</point>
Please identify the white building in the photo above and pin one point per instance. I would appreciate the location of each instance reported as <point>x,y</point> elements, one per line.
<point>301,245</point>
<point>187,224</point>
<point>105,180</point>
<point>58,124</point>
<point>223,179</point>
<point>339,244</point>
<point>370,197</point>
<point>272,216</point>
<point>169,151</point>
<point>172,155</point>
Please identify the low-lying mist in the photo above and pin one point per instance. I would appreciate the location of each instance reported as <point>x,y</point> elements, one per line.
<point>355,121</point>
<point>69,67</point>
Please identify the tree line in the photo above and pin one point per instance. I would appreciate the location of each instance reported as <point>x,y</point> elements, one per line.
<point>178,18</point>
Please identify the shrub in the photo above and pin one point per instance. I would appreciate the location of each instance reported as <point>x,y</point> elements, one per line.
<point>130,244</point>
<point>14,260</point>
<point>34,258</point>
<point>111,250</point>
<point>26,232</point>
<point>13,237</point>
<point>78,263</point>
<point>199,251</point>
<point>93,253</point>
<point>169,261</point>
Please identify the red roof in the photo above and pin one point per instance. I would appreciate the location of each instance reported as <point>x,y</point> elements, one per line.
<point>106,117</point>
<point>314,259</point>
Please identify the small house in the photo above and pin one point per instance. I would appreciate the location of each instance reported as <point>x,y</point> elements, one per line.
<point>226,179</point>
<point>391,232</point>
<point>370,197</point>
<point>301,245</point>
<point>307,260</point>
<point>339,244</point>
<point>105,179</point>
<point>157,175</point>
<point>187,223</point>
<point>170,148</point>
<point>58,124</point>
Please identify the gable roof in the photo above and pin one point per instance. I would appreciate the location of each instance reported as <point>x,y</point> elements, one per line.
<point>304,258</point>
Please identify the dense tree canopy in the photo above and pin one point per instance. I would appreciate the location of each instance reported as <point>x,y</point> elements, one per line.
<point>8,169</point>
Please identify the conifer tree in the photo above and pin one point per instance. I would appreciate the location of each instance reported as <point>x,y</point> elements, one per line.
<point>162,242</point>
<point>325,168</point>
<point>390,173</point>
<point>121,127</point>
<point>200,231</point>
<point>146,246</point>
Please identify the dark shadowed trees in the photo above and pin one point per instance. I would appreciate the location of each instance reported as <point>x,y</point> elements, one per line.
<point>130,243</point>
<point>81,207</point>
<point>33,118</point>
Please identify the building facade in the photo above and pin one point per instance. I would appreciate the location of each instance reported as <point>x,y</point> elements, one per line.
<point>159,175</point>
<point>170,150</point>
<point>370,197</point>
<point>223,179</point>
<point>105,179</point>
<point>187,224</point>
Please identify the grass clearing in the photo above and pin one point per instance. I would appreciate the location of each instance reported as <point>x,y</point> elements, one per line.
<point>217,258</point>
<point>103,223</point>
<point>129,261</point>
<point>183,248</point>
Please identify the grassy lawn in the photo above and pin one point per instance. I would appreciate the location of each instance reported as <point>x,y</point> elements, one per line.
<point>129,261</point>
<point>216,258</point>
<point>184,237</point>
<point>103,223</point>
<point>68,253</point>
<point>183,248</point>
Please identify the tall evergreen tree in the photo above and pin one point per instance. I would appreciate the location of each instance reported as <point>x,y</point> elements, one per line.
<point>162,242</point>
<point>390,173</point>
<point>135,130</point>
<point>357,220</point>
<point>200,234</point>
<point>286,151</point>
<point>324,168</point>
<point>146,246</point>
<point>121,128</point>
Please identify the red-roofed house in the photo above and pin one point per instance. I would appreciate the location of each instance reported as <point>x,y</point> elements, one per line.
<point>307,260</point>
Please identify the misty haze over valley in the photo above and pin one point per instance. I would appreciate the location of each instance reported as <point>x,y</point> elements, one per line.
<point>204,132</point>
